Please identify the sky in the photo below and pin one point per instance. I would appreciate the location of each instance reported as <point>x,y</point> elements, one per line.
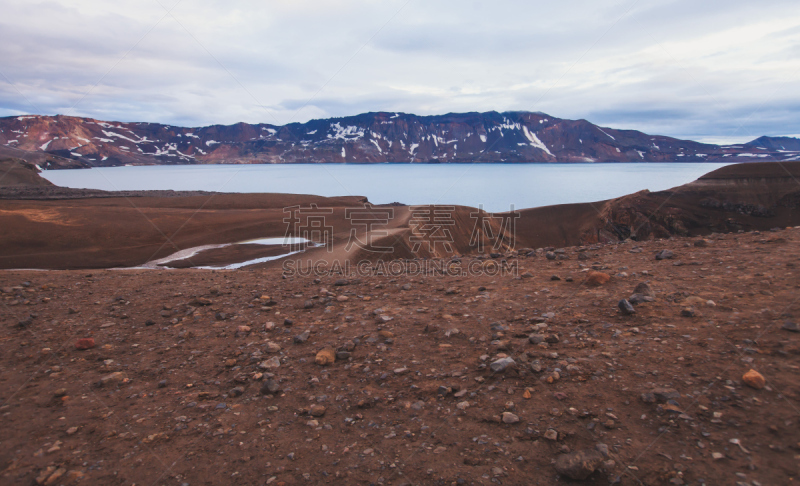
<point>711,70</point>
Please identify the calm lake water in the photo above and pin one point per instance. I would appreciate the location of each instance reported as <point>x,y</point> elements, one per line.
<point>495,186</point>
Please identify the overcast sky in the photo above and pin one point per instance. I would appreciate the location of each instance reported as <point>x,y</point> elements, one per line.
<point>709,70</point>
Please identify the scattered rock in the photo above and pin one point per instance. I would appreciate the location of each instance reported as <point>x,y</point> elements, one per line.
<point>302,337</point>
<point>665,255</point>
<point>316,410</point>
<point>754,379</point>
<point>270,364</point>
<point>509,418</point>
<point>502,364</point>
<point>637,299</point>
<point>270,387</point>
<point>325,357</point>
<point>112,379</point>
<point>84,343</point>
<point>664,395</point>
<point>596,279</point>
<point>626,307</point>
<point>644,289</point>
<point>790,326</point>
<point>551,434</point>
<point>688,312</point>
<point>578,465</point>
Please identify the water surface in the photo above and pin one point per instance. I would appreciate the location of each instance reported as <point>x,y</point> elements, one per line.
<point>495,186</point>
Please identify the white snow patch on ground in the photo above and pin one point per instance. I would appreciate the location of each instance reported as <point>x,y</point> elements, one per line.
<point>483,138</point>
<point>76,154</point>
<point>104,140</point>
<point>413,148</point>
<point>114,134</point>
<point>344,153</point>
<point>104,158</point>
<point>609,136</point>
<point>535,140</point>
<point>618,151</point>
<point>396,115</point>
<point>376,144</point>
<point>188,135</point>
<point>211,142</point>
<point>20,118</point>
<point>507,124</point>
<point>641,154</point>
<point>312,132</point>
<point>344,133</point>
<point>44,147</point>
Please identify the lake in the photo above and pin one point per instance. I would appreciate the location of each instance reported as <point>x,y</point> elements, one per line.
<point>495,186</point>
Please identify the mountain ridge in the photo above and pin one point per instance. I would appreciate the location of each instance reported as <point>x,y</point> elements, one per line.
<point>374,137</point>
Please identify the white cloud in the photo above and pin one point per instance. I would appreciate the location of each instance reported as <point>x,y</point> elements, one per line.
<point>678,67</point>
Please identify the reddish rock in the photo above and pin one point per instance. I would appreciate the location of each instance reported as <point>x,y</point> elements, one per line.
<point>84,343</point>
<point>754,379</point>
<point>596,279</point>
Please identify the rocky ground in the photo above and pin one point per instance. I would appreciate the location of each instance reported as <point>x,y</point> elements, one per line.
<point>200,377</point>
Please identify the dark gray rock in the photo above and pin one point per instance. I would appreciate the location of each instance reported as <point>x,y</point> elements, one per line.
<point>665,255</point>
<point>790,326</point>
<point>270,387</point>
<point>502,364</point>
<point>626,308</point>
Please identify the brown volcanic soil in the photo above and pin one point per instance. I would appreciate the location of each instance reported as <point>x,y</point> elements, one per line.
<point>16,172</point>
<point>415,403</point>
<point>117,232</point>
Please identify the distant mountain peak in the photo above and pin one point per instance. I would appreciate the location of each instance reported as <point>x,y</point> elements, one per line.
<point>395,137</point>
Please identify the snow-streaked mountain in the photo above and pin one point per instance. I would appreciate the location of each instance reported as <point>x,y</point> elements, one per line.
<point>370,138</point>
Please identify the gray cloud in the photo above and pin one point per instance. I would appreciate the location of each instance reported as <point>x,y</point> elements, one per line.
<point>703,70</point>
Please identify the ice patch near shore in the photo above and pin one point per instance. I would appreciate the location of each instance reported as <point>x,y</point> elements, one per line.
<point>234,266</point>
<point>190,252</point>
